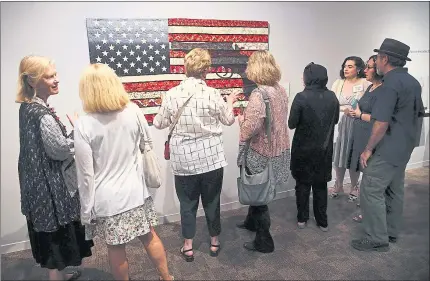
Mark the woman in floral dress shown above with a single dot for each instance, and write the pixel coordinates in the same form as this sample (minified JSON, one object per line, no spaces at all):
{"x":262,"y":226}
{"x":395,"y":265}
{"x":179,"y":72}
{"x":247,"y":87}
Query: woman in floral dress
{"x":116,"y":203}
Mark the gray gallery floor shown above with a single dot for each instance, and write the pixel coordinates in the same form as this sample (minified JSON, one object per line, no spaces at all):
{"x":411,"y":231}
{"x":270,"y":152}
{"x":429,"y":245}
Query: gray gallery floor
{"x":299,"y":254}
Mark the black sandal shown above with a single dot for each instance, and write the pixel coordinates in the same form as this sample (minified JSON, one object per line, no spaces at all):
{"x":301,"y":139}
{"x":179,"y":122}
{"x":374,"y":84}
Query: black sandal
{"x":187,"y":257}
{"x":215,"y":253}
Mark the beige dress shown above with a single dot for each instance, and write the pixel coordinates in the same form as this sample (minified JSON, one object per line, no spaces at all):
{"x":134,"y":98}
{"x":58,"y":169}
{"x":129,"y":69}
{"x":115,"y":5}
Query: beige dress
{"x":344,"y":132}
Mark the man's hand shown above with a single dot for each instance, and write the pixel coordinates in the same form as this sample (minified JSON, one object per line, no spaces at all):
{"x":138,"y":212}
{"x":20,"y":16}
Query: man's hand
{"x":364,"y":157}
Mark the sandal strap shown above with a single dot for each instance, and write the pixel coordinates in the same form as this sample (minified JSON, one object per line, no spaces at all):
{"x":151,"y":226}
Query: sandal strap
{"x":185,"y":251}
{"x":74,"y":275}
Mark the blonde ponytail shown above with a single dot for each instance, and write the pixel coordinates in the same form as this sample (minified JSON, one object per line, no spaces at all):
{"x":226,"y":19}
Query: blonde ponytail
{"x":31,"y":68}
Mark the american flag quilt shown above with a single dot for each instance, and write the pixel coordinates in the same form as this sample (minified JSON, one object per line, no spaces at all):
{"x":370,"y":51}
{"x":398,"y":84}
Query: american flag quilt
{"x":148,"y":54}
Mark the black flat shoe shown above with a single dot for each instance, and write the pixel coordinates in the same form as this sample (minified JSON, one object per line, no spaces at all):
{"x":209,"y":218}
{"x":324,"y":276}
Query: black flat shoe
{"x":250,"y":246}
{"x":215,"y":253}
{"x":188,"y":258}
{"x":243,"y":226}
{"x":392,"y":239}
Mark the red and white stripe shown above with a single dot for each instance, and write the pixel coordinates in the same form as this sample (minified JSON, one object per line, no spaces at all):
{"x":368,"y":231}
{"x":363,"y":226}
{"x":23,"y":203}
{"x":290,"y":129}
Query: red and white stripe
{"x":249,"y":36}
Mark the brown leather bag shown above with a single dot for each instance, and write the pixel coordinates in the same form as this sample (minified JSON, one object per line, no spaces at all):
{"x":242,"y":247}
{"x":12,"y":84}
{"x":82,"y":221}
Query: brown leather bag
{"x":172,"y":127}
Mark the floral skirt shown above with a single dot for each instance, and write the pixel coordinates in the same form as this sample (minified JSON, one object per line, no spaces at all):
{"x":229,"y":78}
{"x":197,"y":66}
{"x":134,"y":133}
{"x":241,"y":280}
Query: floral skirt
{"x":122,"y":228}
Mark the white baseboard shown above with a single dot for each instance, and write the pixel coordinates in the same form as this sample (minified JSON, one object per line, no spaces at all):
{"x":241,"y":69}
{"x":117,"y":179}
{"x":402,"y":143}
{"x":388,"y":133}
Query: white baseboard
{"x":419,"y":165}
{"x":224,"y":207}
{"x":15,"y":247}
{"x":25,"y":245}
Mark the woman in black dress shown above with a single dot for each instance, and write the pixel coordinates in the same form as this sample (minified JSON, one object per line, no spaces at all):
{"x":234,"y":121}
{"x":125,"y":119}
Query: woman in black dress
{"x":363,"y":114}
{"x":47,"y":174}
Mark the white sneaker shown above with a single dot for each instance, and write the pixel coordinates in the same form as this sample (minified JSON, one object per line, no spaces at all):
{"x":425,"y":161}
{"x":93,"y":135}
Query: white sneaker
{"x":301,"y":225}
{"x":325,"y":229}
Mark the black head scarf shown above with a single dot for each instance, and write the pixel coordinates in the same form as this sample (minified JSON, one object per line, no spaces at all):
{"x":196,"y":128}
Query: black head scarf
{"x":315,"y":76}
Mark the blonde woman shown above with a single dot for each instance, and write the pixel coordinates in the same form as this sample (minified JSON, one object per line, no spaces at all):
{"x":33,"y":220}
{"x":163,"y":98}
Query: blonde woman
{"x":254,"y":148}
{"x":348,"y":89}
{"x":114,"y":197}
{"x":49,"y":201}
{"x":197,"y":150}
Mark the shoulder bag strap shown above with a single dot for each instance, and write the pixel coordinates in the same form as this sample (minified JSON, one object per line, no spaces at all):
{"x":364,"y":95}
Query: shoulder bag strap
{"x":178,"y":115}
{"x":143,"y":131}
{"x":329,"y":131}
{"x":267,"y":127}
{"x":267,"y":121}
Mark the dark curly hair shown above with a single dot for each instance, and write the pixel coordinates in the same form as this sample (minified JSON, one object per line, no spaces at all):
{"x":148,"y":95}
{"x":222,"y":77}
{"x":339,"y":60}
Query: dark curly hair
{"x":359,"y":63}
{"x":376,"y":76}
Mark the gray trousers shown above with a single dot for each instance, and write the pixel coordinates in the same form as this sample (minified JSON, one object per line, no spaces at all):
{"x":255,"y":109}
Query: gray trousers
{"x":381,"y":199}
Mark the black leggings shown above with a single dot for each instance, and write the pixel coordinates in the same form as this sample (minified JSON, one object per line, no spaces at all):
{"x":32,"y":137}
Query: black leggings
{"x":258,"y":219}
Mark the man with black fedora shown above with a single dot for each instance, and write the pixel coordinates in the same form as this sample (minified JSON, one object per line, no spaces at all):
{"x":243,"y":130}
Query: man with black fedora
{"x":395,"y":123}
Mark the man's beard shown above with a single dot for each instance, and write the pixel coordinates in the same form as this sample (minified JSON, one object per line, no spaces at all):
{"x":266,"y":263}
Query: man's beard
{"x":379,"y":72}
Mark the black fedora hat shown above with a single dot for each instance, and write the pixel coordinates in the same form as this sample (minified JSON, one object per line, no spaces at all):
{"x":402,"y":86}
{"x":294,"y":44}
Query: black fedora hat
{"x":394,"y":48}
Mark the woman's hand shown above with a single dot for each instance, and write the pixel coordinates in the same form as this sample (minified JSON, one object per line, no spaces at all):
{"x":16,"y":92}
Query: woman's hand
{"x":349,"y":112}
{"x":240,"y":118}
{"x":72,"y":119}
{"x":357,"y":112}
{"x":232,"y":98}
{"x":346,"y":111}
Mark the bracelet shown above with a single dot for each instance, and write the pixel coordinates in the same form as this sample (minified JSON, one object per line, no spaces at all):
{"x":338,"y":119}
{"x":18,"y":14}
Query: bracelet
{"x":360,"y":115}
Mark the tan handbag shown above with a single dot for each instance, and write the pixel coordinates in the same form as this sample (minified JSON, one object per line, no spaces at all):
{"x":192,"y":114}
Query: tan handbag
{"x":151,"y":167}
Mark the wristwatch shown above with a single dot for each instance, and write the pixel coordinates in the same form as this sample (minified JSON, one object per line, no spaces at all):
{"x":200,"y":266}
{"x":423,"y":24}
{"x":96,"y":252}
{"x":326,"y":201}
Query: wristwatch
{"x":360,"y":115}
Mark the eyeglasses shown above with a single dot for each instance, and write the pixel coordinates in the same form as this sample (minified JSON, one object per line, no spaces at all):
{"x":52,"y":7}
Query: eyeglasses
{"x":369,"y":67}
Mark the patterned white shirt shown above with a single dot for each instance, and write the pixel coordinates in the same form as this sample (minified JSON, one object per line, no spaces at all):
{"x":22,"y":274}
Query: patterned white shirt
{"x":196,"y":146}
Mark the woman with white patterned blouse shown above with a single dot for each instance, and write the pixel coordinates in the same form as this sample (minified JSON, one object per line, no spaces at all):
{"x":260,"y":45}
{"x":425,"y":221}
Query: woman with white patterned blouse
{"x":197,"y":149}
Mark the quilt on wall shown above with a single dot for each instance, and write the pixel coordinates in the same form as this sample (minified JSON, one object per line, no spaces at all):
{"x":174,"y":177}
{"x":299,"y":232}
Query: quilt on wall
{"x":148,"y":54}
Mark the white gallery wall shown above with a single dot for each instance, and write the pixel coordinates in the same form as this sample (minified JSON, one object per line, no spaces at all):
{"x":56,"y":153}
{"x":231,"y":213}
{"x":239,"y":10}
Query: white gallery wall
{"x":300,"y":33}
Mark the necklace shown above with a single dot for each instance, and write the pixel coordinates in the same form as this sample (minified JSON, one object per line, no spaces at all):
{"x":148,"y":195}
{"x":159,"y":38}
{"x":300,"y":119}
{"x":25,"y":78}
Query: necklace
{"x":375,"y":86}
